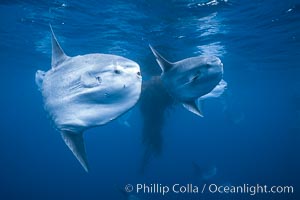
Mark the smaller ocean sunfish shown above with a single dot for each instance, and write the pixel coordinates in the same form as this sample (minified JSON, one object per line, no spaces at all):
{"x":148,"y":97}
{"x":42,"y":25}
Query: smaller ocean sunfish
{"x":192,"y":80}
{"x":86,"y":91}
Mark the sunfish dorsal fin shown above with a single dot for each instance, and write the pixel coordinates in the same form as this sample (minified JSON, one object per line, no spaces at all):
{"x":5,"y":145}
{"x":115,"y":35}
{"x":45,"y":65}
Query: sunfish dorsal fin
{"x":75,"y":143}
{"x":164,"y":64}
{"x":193,"y":107}
{"x":58,"y":55}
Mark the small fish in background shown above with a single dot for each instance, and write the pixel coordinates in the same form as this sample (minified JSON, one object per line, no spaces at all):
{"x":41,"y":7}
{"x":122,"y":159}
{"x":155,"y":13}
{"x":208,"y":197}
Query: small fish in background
{"x":85,"y":91}
{"x":204,"y":173}
{"x":210,"y":174}
{"x":192,"y":80}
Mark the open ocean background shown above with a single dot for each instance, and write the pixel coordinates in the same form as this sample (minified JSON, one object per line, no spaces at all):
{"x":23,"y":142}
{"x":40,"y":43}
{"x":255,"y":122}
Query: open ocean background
{"x":251,"y":135}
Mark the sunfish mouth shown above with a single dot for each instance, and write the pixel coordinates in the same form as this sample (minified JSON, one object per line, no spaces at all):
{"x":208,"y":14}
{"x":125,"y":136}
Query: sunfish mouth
{"x":213,"y":60}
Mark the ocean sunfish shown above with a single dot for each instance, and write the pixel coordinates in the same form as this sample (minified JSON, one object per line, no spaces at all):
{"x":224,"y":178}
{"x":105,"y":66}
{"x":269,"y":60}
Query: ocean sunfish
{"x":86,"y":91}
{"x":192,"y":80}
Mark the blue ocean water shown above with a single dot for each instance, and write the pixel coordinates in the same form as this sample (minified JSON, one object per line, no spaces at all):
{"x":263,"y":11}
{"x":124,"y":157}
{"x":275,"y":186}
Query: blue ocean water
{"x":249,"y":136}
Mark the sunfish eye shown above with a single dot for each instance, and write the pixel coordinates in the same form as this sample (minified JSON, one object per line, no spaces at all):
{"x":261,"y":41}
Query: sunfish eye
{"x":117,"y":71}
{"x":98,"y":78}
{"x":138,"y":73}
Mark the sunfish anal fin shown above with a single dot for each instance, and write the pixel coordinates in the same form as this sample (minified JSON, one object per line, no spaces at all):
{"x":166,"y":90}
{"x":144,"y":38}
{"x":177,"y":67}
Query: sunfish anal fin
{"x":164,"y":64}
{"x":75,"y":143}
{"x":58,"y":55}
{"x":193,"y":107}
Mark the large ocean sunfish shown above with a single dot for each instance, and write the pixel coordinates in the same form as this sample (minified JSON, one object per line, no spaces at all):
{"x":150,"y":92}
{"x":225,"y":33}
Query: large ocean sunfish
{"x":86,"y":91}
{"x":192,"y":80}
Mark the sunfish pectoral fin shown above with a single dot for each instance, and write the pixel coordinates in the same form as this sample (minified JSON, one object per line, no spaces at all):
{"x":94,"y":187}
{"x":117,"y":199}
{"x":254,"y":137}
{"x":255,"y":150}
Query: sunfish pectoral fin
{"x":75,"y":143}
{"x":58,"y":55}
{"x":163,"y":63}
{"x":194,"y":107}
{"x":39,"y":77}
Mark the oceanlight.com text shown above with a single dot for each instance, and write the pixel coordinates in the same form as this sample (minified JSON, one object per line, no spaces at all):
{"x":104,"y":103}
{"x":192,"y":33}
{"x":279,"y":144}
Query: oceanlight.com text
{"x":250,"y":189}
{"x":164,"y":189}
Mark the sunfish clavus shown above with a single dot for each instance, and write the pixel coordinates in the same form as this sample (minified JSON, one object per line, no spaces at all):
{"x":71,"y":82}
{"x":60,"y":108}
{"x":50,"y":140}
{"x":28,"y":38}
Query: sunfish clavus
{"x":192,"y":80}
{"x":86,"y":91}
